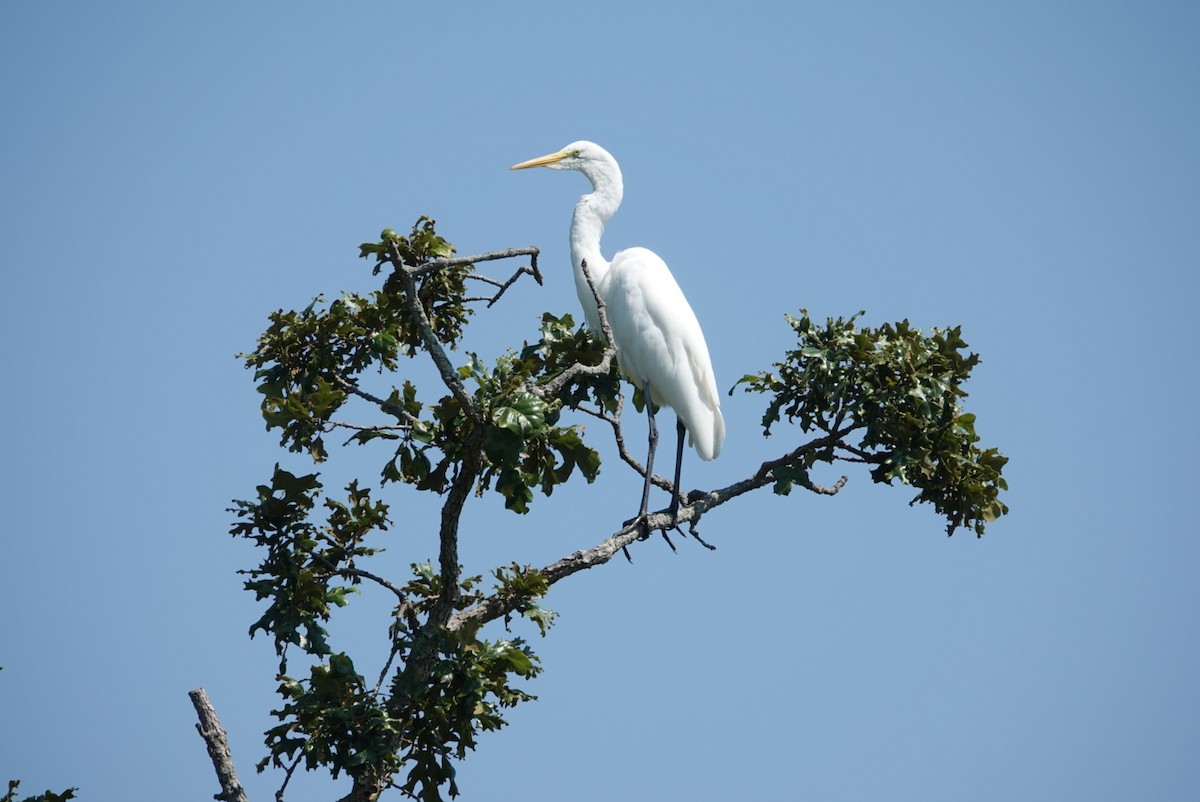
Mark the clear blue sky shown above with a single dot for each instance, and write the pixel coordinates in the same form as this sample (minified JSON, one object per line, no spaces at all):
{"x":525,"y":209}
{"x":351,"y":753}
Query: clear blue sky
{"x":171,"y":172}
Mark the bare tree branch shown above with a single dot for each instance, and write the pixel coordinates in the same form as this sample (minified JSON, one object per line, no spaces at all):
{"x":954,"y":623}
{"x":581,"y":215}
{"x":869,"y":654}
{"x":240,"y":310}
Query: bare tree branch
{"x":497,"y":605}
{"x":435,"y":265}
{"x":213,"y":733}
{"x":358,"y":572}
{"x":432,"y":345}
{"x":508,"y":253}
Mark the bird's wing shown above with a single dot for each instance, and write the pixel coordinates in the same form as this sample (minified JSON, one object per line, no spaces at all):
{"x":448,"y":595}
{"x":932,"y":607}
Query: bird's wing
{"x":659,"y":341}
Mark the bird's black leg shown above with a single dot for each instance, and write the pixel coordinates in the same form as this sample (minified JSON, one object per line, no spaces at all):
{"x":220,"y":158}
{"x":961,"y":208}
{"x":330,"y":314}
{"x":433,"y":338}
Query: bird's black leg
{"x":673,"y":509}
{"x":649,"y":458}
{"x":680,"y":432}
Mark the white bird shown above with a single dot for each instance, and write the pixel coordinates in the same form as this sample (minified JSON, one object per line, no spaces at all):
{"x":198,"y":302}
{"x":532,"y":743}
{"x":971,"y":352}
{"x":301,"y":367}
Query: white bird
{"x":660,"y":346}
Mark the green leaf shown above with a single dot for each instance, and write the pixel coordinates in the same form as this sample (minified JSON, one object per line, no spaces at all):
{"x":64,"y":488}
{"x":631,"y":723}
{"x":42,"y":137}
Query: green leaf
{"x":524,"y":415}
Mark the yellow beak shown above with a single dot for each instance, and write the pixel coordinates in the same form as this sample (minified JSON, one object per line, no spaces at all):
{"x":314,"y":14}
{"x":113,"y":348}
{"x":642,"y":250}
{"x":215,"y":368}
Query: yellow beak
{"x":542,"y":161}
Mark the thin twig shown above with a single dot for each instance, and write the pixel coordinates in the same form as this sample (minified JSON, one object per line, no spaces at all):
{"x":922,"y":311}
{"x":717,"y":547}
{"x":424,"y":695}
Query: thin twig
{"x":387,"y":666}
{"x":389,"y":407}
{"x":833,"y":439}
{"x":358,"y":572}
{"x":489,"y":280}
{"x":862,"y":454}
{"x":288,"y":777}
{"x":552,"y":387}
{"x":618,"y":435}
{"x":404,"y":609}
{"x":503,"y":285}
{"x":337,"y":424}
{"x":348,"y":440}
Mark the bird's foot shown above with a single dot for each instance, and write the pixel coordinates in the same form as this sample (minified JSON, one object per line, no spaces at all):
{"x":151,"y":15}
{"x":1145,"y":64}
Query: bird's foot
{"x":667,"y":538}
{"x":673,"y":511}
{"x":642,"y":525}
{"x":643,"y":531}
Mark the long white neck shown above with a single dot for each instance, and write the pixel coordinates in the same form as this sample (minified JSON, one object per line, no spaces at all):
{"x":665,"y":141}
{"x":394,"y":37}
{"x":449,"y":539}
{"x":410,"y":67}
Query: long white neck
{"x":587,"y":224}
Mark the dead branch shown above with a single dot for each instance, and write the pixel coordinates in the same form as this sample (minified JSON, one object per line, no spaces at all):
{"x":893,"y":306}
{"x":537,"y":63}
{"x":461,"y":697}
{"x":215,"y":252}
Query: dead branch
{"x":508,"y":253}
{"x":502,"y":286}
{"x":434,"y":265}
{"x":213,"y":733}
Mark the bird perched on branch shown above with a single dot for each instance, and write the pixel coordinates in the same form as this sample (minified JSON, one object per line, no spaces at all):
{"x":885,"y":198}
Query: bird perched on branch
{"x":660,"y":346}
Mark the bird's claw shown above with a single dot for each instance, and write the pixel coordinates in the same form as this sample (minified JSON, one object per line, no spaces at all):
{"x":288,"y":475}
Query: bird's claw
{"x":643,"y":524}
{"x":694,"y":532}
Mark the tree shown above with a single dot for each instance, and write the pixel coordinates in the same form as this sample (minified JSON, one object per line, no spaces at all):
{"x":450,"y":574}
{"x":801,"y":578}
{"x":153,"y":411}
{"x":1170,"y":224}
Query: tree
{"x":887,"y":397}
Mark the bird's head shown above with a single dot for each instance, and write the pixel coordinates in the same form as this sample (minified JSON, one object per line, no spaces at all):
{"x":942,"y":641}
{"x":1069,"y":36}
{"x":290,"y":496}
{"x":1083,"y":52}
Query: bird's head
{"x":587,"y":157}
{"x":574,"y":156}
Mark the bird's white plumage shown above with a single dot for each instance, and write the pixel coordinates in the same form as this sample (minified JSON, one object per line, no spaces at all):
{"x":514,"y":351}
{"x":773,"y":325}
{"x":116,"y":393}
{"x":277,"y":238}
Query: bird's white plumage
{"x":658,"y":340}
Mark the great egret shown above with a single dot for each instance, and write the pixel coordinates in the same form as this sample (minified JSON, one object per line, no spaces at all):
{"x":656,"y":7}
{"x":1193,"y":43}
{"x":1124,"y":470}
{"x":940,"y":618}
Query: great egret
{"x":660,"y":346}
